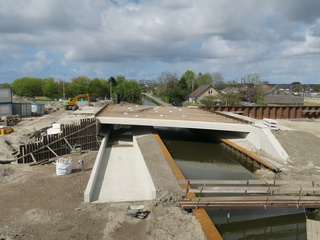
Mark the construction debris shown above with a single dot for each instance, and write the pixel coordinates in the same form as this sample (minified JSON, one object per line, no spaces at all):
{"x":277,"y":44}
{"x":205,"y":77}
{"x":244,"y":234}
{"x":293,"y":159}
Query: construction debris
{"x":10,"y":120}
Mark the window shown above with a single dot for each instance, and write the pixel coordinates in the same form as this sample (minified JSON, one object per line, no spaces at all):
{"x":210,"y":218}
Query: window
{"x":210,"y":92}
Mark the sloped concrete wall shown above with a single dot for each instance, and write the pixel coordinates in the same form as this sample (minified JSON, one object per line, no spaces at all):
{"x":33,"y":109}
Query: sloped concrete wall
{"x":143,"y":166}
{"x":263,"y":139}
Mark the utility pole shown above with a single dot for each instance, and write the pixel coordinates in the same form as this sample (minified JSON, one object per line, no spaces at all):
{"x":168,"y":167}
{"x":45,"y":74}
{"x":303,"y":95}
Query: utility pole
{"x":111,"y":90}
{"x":63,"y":90}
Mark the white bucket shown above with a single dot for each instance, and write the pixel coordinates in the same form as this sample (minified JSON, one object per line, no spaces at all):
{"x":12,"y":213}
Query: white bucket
{"x":63,"y":166}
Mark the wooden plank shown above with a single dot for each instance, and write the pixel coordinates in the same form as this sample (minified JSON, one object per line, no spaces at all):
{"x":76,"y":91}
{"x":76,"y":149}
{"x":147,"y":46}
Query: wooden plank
{"x":251,"y":206}
{"x":250,"y":182}
{"x":253,"y":189}
{"x":53,"y":151}
{"x":251,"y":198}
{"x":33,"y":158}
{"x":313,"y":229}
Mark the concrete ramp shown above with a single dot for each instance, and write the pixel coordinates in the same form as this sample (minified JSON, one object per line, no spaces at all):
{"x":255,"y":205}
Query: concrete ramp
{"x":119,"y":175}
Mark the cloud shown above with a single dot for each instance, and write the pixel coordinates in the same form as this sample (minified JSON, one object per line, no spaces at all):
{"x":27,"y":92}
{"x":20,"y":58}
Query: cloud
{"x":134,"y":35}
{"x":38,"y":63}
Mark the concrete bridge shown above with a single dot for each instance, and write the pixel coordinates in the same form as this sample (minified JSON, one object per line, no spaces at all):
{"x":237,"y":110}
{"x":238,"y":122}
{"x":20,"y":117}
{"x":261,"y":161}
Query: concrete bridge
{"x":169,"y":116}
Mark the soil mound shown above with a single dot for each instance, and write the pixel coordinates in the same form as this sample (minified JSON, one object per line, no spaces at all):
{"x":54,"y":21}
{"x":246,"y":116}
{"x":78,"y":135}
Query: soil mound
{"x":303,"y":148}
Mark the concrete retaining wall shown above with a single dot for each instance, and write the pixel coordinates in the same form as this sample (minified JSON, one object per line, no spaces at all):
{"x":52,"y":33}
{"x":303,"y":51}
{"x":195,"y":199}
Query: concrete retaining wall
{"x":263,"y":139}
{"x":94,"y":174}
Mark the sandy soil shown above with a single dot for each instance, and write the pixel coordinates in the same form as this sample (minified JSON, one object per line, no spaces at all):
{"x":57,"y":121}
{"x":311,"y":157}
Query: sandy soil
{"x":302,"y":145}
{"x":38,"y":204}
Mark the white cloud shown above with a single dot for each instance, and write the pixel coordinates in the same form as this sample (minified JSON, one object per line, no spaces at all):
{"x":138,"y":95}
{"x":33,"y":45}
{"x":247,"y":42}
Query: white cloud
{"x":37,"y":64}
{"x":172,"y":34}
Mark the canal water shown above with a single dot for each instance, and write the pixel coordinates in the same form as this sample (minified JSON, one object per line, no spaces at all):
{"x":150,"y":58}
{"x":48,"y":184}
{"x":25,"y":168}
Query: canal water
{"x":145,"y":102}
{"x":200,"y":158}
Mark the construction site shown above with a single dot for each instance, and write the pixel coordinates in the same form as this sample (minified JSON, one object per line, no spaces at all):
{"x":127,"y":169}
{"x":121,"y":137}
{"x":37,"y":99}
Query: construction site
{"x":39,"y":202}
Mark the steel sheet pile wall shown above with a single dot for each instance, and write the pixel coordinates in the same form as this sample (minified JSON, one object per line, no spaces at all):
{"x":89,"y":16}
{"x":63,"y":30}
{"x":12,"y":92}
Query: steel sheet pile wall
{"x":41,"y":149}
{"x":273,"y":112}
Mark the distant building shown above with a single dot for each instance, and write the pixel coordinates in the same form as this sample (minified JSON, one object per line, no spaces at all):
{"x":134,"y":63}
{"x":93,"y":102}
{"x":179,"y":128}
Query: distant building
{"x":202,"y":92}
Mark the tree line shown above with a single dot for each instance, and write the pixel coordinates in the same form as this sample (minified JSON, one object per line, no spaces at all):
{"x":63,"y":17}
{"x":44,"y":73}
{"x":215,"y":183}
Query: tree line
{"x":168,"y":86}
{"x":119,"y":87}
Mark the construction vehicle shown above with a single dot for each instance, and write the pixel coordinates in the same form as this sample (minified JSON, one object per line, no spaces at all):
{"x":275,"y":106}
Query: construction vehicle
{"x":71,"y":104}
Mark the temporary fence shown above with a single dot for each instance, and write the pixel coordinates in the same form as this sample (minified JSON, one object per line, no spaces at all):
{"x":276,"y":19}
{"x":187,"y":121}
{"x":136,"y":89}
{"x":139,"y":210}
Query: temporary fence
{"x":41,"y":148}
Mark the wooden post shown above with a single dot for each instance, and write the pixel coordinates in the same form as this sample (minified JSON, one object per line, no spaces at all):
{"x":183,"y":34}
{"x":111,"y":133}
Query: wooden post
{"x":52,"y":151}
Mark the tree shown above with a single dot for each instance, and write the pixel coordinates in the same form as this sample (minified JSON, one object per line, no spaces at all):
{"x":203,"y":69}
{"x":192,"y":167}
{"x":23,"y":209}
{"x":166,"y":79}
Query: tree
{"x":98,"y":88}
{"x":251,"y":88}
{"x":64,"y":89}
{"x":79,"y":85}
{"x":5,"y":85}
{"x":316,"y":88}
{"x":218,"y":80}
{"x":28,"y":87}
{"x":217,"y":77}
{"x":228,"y":99}
{"x":189,"y":77}
{"x":50,"y":88}
{"x":128,"y":91}
{"x":120,"y":78}
{"x":166,"y":80}
{"x":204,"y":79}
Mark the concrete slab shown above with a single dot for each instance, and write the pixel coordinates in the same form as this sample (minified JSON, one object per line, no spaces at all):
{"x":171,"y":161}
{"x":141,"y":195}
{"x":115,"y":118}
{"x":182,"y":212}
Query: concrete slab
{"x":169,"y":117}
{"x":177,"y":124}
{"x":120,"y":179}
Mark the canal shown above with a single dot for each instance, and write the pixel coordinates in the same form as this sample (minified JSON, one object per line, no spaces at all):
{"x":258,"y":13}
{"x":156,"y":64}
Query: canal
{"x":199,"y":157}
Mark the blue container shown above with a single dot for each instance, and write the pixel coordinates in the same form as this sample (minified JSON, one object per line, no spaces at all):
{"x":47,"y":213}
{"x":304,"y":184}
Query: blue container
{"x":22,"y":109}
{"x":37,"y":109}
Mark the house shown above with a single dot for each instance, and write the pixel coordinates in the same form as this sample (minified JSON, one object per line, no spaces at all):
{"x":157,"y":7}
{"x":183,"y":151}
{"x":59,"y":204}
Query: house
{"x":202,"y":92}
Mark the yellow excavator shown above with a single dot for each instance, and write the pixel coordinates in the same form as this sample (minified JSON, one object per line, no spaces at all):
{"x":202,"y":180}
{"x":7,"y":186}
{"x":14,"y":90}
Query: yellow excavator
{"x":71,"y":104}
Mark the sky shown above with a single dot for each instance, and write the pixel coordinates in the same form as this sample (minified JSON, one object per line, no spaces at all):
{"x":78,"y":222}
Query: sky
{"x":139,"y":39}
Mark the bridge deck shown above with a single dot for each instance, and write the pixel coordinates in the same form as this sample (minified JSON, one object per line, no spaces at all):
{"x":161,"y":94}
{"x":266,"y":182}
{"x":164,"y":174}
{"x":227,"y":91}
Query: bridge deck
{"x":170,"y":117}
{"x":170,"y":113}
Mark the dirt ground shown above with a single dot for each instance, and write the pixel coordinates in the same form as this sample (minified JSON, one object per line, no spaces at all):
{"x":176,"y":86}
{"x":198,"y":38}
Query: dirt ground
{"x":38,"y":204}
{"x":302,"y":144}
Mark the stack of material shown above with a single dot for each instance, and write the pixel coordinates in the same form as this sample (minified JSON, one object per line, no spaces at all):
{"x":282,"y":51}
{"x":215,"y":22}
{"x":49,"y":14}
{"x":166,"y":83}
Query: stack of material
{"x":271,"y":123}
{"x":55,"y":129}
{"x":5,"y":101}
